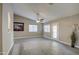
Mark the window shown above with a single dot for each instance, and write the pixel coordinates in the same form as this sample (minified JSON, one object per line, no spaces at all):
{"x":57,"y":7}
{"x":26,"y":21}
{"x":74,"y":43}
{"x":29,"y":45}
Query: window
{"x":54,"y":31}
{"x":32,"y":28}
{"x":46,"y":28}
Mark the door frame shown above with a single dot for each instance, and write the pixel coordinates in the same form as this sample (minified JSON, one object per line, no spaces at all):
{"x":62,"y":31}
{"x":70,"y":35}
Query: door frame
{"x":57,"y":31}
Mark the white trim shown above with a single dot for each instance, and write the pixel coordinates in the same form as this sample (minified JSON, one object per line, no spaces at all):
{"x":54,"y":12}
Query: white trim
{"x":63,"y":42}
{"x":47,"y":37}
{"x":57,"y":30}
{"x":58,"y":41}
{"x":67,"y":43}
{"x":19,"y":37}
{"x":10,"y":48}
{"x":27,"y":37}
{"x":77,"y":46}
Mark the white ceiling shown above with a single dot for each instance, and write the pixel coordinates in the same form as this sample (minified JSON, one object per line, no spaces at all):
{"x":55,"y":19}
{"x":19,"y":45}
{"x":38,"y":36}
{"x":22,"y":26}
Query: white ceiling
{"x":48,"y":12}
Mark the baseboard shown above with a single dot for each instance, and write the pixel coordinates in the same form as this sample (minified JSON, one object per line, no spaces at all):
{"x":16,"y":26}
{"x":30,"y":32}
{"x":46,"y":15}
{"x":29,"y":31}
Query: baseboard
{"x":68,"y":44}
{"x":10,"y":48}
{"x":47,"y":37}
{"x":77,"y":46}
{"x":27,"y":37}
{"x":63,"y":42}
{"x":58,"y":41}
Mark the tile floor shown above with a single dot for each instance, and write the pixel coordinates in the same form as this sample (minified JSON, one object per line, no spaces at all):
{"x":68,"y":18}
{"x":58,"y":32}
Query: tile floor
{"x":41,"y":46}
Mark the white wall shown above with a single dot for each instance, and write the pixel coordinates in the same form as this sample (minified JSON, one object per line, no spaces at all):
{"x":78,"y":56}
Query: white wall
{"x":7,"y":35}
{"x":65,"y":28}
{"x":0,"y":28}
{"x":26,"y":33}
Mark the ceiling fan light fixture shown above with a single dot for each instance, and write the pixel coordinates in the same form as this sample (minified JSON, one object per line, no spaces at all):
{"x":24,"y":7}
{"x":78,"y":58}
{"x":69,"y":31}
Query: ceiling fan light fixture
{"x":38,"y":21}
{"x":39,"y":18}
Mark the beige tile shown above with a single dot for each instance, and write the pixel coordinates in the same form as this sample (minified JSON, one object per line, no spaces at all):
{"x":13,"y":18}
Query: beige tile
{"x":41,"y":46}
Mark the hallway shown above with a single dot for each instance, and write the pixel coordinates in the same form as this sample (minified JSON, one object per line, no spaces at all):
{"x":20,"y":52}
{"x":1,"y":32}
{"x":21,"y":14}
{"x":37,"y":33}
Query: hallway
{"x":41,"y":46}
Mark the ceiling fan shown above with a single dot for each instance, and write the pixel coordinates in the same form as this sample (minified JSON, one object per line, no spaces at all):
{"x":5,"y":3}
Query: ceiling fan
{"x":39,"y":18}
